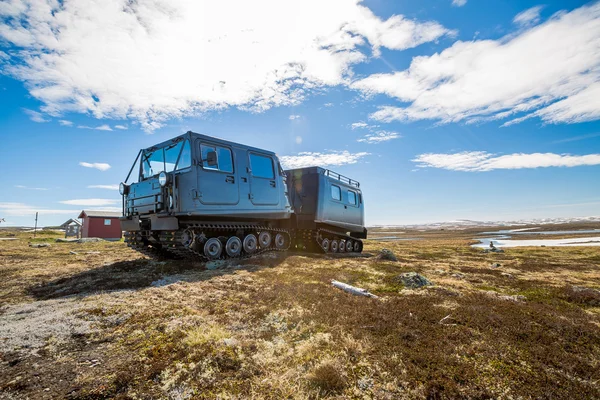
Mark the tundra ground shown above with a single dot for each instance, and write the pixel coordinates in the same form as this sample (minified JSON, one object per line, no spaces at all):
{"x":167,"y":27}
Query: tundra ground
{"x":97,"y":320}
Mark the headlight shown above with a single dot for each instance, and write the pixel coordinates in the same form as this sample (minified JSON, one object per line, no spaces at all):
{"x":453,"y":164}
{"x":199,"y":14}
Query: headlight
{"x":123,"y":189}
{"x":162,"y":178}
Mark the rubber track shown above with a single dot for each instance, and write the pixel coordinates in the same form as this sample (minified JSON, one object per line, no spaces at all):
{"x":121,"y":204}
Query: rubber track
{"x":171,"y":241}
{"x":339,"y":236}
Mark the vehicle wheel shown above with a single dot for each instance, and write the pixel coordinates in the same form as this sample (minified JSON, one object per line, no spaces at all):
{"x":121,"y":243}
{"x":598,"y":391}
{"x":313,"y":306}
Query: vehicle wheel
{"x":264,"y":238}
{"x":349,"y":246}
{"x":325,"y":245}
{"x":280,"y":241}
{"x":213,"y":248}
{"x":233,"y":247}
{"x":250,"y":243}
{"x":358,"y":246}
{"x":342,"y":247}
{"x":334,"y":246}
{"x":187,"y":237}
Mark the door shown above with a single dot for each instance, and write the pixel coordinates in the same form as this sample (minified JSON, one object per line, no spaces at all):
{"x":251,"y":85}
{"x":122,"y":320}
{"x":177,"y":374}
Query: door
{"x":353,"y":210}
{"x":263,"y":181}
{"x":217,"y":182}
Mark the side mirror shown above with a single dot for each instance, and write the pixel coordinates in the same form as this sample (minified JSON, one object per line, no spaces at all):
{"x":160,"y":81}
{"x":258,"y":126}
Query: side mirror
{"x":211,"y":158}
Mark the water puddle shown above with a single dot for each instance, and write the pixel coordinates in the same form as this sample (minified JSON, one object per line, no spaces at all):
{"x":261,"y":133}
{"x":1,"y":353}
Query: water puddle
{"x":505,"y":241}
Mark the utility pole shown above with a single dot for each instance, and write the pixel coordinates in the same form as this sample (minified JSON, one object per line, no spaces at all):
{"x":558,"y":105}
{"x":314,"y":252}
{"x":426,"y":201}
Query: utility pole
{"x":35,"y":228}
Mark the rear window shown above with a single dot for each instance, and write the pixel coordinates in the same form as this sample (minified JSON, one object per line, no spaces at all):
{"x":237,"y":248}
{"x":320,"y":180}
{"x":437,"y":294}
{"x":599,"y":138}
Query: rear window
{"x":261,"y":166}
{"x":336,"y":193}
{"x":351,"y":197}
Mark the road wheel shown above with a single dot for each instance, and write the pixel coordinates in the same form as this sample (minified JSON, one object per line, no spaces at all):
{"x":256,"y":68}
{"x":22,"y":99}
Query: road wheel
{"x":213,"y":248}
{"x":264,"y":239}
{"x":325,"y":245}
{"x":334,"y":246}
{"x":250,"y":243}
{"x":349,"y":246}
{"x":233,"y":247}
{"x":342,"y":247}
{"x":281,"y":241}
{"x":358,"y":246}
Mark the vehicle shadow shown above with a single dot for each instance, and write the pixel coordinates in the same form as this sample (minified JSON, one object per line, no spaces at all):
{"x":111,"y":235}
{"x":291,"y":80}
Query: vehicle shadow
{"x":142,"y":273}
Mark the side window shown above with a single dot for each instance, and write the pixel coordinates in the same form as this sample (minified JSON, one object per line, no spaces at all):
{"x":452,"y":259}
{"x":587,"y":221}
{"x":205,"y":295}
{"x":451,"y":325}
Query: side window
{"x":224,"y":158}
{"x":336,"y":193}
{"x":261,"y":166}
{"x":107,"y":222}
{"x":351,"y":197}
{"x":153,"y":162}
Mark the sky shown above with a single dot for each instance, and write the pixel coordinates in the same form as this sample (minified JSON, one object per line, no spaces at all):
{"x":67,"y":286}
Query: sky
{"x":442,"y":109}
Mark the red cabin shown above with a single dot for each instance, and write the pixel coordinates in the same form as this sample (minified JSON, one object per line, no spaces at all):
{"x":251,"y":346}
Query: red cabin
{"x":101,"y":224}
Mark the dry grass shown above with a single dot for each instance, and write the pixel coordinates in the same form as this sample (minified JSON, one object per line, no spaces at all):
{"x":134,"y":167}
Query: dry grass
{"x":273,"y":327}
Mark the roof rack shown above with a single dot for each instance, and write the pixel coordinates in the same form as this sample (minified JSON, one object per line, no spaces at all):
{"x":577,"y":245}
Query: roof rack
{"x":341,"y":178}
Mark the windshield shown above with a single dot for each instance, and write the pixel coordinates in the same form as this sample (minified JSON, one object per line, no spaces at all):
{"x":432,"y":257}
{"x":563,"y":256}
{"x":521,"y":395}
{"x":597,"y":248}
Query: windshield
{"x":153,"y":162}
{"x":171,"y":158}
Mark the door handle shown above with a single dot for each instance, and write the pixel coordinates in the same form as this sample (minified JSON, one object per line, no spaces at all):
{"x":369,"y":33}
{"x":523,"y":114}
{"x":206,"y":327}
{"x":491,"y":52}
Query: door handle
{"x":230,"y":179}
{"x":272,"y":183}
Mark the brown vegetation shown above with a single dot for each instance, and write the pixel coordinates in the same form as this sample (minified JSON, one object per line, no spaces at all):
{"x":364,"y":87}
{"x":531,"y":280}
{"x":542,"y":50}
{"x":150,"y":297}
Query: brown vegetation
{"x":273,"y":327}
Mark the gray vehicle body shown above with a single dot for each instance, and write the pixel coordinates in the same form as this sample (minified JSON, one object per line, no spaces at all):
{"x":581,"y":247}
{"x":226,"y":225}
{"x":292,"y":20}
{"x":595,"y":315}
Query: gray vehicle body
{"x":196,"y":191}
{"x":323,"y":198}
{"x":247,"y":185}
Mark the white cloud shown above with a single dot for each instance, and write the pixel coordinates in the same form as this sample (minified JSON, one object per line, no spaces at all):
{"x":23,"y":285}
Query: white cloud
{"x":379,"y":136}
{"x":310,"y":159}
{"x":25,"y":210}
{"x":459,"y":3}
{"x":531,"y":16}
{"x":35,"y":116}
{"x":550,"y":71}
{"x":328,"y":104}
{"x":29,"y":188}
{"x":99,"y":166}
{"x":109,"y":187}
{"x":123,"y":127}
{"x":359,"y":125}
{"x":293,"y":117}
{"x":90,"y":202}
{"x":64,"y":122}
{"x":93,"y":57}
{"x":474,"y":161}
{"x":104,"y":127}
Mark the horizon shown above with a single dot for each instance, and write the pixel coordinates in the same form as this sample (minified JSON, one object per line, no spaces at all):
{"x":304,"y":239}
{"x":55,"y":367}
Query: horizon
{"x":443,"y":110}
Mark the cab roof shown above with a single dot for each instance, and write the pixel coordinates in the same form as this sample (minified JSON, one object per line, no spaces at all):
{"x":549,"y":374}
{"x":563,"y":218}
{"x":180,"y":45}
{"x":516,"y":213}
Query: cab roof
{"x":216,"y":140}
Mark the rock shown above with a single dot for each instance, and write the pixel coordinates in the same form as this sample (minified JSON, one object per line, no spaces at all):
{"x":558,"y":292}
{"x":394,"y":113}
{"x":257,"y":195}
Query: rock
{"x":496,"y":265}
{"x":92,"y":252}
{"x":38,"y":245}
{"x":90,"y":240}
{"x":493,"y":250}
{"x":230,"y":342}
{"x":386,"y":254}
{"x":458,"y":275}
{"x":507,"y":275}
{"x":73,"y":252}
{"x":506,"y":297}
{"x":413,"y":280}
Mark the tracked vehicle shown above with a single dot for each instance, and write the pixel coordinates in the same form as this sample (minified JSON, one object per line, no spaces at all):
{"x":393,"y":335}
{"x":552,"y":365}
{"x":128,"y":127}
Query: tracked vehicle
{"x":205,"y":198}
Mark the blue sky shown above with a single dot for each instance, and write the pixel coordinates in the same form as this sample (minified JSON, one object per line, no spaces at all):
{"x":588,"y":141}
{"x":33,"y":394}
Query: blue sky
{"x":442,"y":110}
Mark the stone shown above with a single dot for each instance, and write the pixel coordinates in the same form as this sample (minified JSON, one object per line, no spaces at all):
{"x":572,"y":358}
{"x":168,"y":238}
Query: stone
{"x":387,"y":255}
{"x":458,"y":275}
{"x":413,"y":280}
{"x":507,"y":275}
{"x":38,"y":245}
{"x":73,"y":252}
{"x":90,"y":240}
{"x":496,"y":265}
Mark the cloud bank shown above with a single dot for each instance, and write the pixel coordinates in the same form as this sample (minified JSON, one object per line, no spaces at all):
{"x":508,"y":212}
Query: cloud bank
{"x":98,"y":166}
{"x":479,"y":161}
{"x":152,"y":60}
{"x":311,"y":159}
{"x":550,"y":71}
